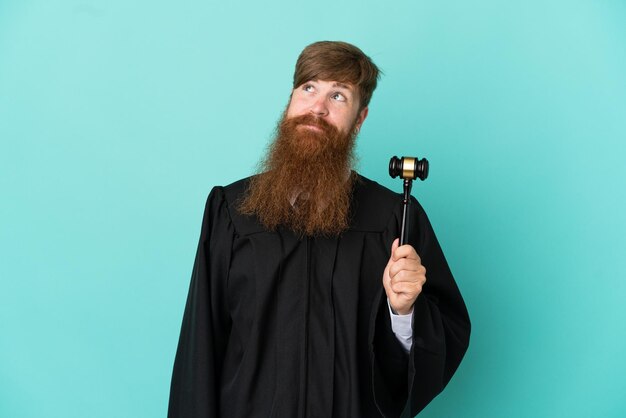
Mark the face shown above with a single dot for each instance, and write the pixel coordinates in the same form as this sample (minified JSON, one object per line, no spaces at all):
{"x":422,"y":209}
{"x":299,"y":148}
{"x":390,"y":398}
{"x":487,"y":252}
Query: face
{"x":336,"y":103}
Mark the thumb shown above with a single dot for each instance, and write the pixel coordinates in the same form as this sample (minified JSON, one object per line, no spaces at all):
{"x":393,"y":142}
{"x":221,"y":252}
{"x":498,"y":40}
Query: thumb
{"x":394,"y":246}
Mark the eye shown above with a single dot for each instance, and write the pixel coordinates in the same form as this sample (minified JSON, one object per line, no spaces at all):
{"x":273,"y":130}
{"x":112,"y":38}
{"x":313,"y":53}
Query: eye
{"x":339,"y":97}
{"x":308,"y":88}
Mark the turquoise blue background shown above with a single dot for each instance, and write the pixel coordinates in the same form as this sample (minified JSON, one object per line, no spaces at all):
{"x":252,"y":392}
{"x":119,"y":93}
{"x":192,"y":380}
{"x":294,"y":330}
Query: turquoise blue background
{"x":118,"y":116}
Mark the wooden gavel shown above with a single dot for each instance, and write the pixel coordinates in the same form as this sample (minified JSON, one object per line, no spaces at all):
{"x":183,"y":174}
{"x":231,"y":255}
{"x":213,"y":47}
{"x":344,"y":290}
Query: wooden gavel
{"x":408,"y":168}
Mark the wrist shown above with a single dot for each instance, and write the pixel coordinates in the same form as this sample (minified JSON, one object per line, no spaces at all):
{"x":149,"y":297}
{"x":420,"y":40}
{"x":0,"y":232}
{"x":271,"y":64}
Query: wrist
{"x":405,"y":311}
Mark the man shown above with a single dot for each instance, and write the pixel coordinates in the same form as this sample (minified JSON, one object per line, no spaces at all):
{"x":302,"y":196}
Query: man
{"x":301,"y":303}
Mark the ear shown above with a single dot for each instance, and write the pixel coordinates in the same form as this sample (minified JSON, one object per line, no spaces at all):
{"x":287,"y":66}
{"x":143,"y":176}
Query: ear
{"x":361,"y":118}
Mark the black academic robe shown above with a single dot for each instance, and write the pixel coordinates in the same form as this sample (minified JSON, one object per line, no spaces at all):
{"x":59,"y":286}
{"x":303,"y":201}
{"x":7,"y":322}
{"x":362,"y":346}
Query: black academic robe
{"x":278,"y":325}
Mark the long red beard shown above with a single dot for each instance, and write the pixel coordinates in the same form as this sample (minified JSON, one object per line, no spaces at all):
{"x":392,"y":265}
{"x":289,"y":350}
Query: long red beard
{"x":306,"y":181}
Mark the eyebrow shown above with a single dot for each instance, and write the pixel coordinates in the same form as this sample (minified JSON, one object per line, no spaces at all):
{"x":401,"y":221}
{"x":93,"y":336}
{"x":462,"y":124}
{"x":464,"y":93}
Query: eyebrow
{"x":343,"y":86}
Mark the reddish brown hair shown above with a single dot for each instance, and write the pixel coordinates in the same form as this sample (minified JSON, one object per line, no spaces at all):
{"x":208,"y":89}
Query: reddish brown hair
{"x":337,"y":61}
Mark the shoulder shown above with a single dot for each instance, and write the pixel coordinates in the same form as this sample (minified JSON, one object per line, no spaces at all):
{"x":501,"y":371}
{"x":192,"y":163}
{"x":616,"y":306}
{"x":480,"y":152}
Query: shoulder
{"x":371,"y":191}
{"x":234,"y":191}
{"x":373,"y":205}
{"x":230,"y":196}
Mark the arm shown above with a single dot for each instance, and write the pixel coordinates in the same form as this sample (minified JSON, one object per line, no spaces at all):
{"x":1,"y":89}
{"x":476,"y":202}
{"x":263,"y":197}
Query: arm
{"x":441,"y":325}
{"x":206,"y":324}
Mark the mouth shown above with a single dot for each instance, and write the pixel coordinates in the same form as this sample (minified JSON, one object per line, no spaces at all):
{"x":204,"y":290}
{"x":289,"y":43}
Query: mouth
{"x":316,"y":128}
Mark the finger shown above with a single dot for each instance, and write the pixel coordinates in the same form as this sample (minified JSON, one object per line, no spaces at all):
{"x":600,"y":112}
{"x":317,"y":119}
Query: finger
{"x":403,"y":264}
{"x":409,"y":277}
{"x":394,"y":247}
{"x":405,"y":251}
{"x":406,"y":268}
{"x":406,"y":289}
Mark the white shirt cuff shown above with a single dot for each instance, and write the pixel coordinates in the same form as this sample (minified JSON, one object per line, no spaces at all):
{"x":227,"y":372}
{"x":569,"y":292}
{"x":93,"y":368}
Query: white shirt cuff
{"x":402,"y":327}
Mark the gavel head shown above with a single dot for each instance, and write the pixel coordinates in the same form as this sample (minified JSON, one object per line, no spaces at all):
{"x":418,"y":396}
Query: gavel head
{"x":408,"y":168}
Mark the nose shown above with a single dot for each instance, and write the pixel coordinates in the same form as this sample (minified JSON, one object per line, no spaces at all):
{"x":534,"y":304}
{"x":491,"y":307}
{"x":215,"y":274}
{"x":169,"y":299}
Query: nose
{"x":318,"y":107}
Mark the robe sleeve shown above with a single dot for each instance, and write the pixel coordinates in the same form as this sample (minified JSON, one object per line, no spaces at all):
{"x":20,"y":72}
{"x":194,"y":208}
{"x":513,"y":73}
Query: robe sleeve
{"x":195,"y":386}
{"x":441,"y":330}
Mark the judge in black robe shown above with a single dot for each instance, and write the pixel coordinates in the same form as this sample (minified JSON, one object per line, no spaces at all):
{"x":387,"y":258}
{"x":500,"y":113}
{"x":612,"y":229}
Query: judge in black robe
{"x":279,"y":325}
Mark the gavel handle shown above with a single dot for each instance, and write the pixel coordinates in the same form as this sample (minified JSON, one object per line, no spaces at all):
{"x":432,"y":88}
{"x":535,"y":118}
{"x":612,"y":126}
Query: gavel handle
{"x":406,"y":201}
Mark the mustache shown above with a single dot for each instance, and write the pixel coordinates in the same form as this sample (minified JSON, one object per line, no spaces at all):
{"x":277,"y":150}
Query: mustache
{"x":309,"y":119}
